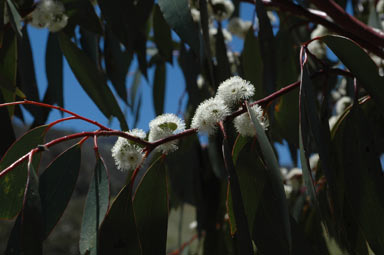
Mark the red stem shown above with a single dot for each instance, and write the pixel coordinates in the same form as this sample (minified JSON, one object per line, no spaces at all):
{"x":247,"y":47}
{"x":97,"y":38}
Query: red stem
{"x":57,"y":108}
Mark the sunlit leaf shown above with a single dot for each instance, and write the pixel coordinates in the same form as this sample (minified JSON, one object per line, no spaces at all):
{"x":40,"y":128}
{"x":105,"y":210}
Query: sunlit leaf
{"x":15,"y":17}
{"x":95,"y":208}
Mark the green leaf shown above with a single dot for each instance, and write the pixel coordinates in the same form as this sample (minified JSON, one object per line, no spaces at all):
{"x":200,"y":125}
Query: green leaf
{"x":8,"y":64}
{"x":15,"y":18}
{"x":159,"y":81}
{"x":91,"y":79}
{"x":7,"y":136}
{"x":364,"y":70}
{"x":57,"y":184}
{"x":117,"y":63}
{"x":26,"y":73}
{"x":267,"y":48}
{"x":12,"y":185}
{"x":82,"y":12}
{"x":313,"y":131}
{"x":252,"y":64}
{"x":273,"y":171}
{"x":89,"y":42}
{"x":252,"y":176}
{"x":162,"y":35}
{"x":118,"y":233}
{"x":363,"y":176}
{"x":179,"y":18}
{"x":223,"y":68}
{"x":95,"y":209}
{"x":27,"y":234}
{"x":134,"y":87}
{"x":150,"y":205}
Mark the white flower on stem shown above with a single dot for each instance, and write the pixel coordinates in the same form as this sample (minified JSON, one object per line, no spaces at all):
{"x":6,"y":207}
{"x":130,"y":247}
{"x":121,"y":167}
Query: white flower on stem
{"x":127,"y":154}
{"x":195,"y":14}
{"x":244,"y":125}
{"x":50,"y":14}
{"x":234,"y":90}
{"x":163,"y":126}
{"x":208,"y":114}
{"x":137,"y":133}
{"x":222,"y":9}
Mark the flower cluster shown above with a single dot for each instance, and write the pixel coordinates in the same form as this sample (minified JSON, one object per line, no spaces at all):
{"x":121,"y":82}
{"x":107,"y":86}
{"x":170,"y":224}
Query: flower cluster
{"x":126,"y":153}
{"x":229,"y":94}
{"x":49,"y":14}
{"x":163,"y":126}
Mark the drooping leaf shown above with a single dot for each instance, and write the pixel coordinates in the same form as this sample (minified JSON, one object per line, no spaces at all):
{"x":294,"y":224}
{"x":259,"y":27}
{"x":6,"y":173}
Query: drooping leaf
{"x":267,"y":49}
{"x":7,"y":136}
{"x":179,"y":18}
{"x":91,"y":79}
{"x":30,"y":220}
{"x":273,"y":172}
{"x":95,"y":209}
{"x":150,"y":205}
{"x":162,"y":35}
{"x":89,"y":42}
{"x":364,"y":70}
{"x":252,"y":64}
{"x":159,"y":82}
{"x":363,"y":177}
{"x":118,"y":234}
{"x":134,"y":88}
{"x":26,"y":73}
{"x":117,"y":63}
{"x":12,"y":185}
{"x":15,"y":17}
{"x":223,"y":68}
{"x":54,"y":73}
{"x":57,"y":184}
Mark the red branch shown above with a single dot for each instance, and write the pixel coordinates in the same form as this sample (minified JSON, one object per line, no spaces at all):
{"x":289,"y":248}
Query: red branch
{"x":57,"y":108}
{"x":183,"y":246}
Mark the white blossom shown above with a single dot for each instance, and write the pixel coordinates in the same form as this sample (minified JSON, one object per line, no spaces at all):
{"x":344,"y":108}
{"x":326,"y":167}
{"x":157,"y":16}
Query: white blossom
{"x":49,"y":14}
{"x":208,"y":114}
{"x":314,"y":161}
{"x":163,"y":126}
{"x":127,"y":155}
{"x":380,"y":6}
{"x":195,"y":14}
{"x":138,"y":133}
{"x":222,"y":9}
{"x":235,"y":89}
{"x":244,"y":125}
{"x":317,"y":47}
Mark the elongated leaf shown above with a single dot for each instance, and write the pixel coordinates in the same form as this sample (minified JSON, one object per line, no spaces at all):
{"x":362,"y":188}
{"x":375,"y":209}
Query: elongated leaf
{"x":150,"y":205}
{"x":26,"y":73}
{"x":134,"y":88}
{"x":223,"y":68}
{"x":8,"y":62}
{"x":15,"y":17}
{"x":363,"y":177}
{"x":118,"y":234}
{"x":267,"y":49}
{"x":27,"y":234}
{"x":252,"y":64}
{"x":364,"y":70}
{"x":91,"y":79}
{"x":7,"y":136}
{"x":12,"y":185}
{"x":117,"y":63}
{"x":162,"y":35}
{"x":275,"y":176}
{"x":179,"y":18}
{"x":95,"y":209}
{"x":57,"y":184}
{"x":159,"y":88}
{"x":243,"y":237}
